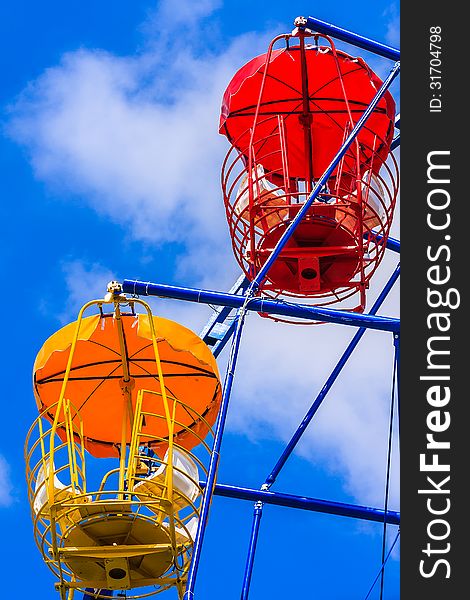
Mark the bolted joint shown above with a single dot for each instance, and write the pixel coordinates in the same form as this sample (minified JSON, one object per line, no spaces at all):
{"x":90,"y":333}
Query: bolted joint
{"x":114,"y":292}
{"x":114,"y":287}
{"x":305,"y":120}
{"x":127,"y":386}
{"x":300,"y":21}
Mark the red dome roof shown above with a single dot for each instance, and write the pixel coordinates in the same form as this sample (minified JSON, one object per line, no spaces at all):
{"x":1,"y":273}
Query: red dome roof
{"x":282,"y":95}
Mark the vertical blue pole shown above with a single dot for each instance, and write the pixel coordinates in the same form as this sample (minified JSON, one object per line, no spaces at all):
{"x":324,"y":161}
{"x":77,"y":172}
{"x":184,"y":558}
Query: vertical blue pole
{"x":250,"y":559}
{"x":214,"y":461}
{"x":389,"y":465}
{"x":331,"y":379}
{"x":396,"y":341}
{"x":258,"y":280}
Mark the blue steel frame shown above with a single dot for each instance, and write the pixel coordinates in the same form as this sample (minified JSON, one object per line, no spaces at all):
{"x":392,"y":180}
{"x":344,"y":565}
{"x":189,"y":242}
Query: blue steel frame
{"x":261,"y":305}
{"x":223,"y":324}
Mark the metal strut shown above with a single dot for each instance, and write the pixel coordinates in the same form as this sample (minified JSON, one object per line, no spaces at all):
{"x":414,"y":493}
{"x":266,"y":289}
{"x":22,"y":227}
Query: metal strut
{"x":212,"y":471}
{"x":221,"y":325}
{"x":264,"y":305}
{"x":340,"y":509}
{"x":348,"y":36}
{"x":388,"y":470}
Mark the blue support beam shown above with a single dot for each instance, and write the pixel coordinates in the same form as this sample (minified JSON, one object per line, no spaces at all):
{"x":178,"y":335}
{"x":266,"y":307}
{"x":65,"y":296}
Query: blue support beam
{"x":349,"y":37}
{"x":215,"y":454}
{"x":396,"y":341}
{"x":228,"y":332}
{"x":306,"y":503}
{"x":261,"y":305}
{"x":221,"y":324}
{"x":258,"y":510}
{"x":391,"y":244}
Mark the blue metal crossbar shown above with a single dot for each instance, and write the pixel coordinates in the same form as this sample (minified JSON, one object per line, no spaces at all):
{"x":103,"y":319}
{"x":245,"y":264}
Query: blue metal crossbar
{"x":306,"y":503}
{"x":349,"y":37}
{"x":262,"y":305}
{"x":221,"y":325}
{"x":391,"y":243}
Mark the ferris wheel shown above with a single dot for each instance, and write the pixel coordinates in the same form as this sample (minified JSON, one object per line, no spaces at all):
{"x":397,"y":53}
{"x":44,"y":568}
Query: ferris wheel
{"x":310,"y":185}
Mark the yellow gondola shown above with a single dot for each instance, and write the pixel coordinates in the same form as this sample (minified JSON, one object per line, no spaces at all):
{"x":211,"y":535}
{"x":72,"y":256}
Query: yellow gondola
{"x":132,"y":397}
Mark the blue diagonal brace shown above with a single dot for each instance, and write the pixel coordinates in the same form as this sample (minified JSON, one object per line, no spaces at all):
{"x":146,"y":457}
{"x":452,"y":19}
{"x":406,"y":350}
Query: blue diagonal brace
{"x":221,"y":324}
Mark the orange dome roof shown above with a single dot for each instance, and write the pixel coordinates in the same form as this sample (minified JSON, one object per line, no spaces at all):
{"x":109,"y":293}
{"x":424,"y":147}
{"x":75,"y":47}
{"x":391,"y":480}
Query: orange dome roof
{"x":189,"y":368}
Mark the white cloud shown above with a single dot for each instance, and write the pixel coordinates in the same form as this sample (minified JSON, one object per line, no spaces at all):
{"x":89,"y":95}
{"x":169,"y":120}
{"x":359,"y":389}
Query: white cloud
{"x":88,"y":123}
{"x":5,"y":483}
{"x":187,"y":13}
{"x":83,"y":283}
{"x":137,"y":136}
{"x":393,"y":25}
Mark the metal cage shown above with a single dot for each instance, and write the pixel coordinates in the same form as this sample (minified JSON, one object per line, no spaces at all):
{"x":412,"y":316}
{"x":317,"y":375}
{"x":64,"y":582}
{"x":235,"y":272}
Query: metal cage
{"x":274,"y":163}
{"x":126,"y":522}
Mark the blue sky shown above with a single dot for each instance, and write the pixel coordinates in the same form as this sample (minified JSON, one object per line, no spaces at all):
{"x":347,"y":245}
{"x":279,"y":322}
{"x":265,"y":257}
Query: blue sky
{"x":110,"y":169}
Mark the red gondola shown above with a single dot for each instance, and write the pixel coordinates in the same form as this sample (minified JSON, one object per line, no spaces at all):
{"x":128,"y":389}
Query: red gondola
{"x":286,"y":114}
